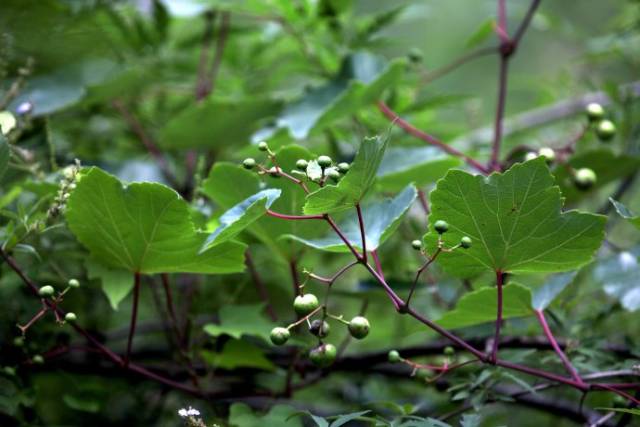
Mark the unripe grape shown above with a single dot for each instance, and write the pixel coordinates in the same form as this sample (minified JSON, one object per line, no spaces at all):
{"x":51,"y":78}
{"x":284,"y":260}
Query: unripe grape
{"x":305,"y":304}
{"x":73,"y":283}
{"x":548,"y":154}
{"x":249,"y":163}
{"x":70,"y":317}
{"x":279,"y":335}
{"x":449,"y":351}
{"x":594,"y":112}
{"x":333,"y":174}
{"x":302,"y":164}
{"x":324,"y":161}
{"x":324,"y":355}
{"x":394,"y":356}
{"x":441,"y":226}
{"x":359,"y":327}
{"x":320,"y":328}
{"x":530,"y":156}
{"x":263,"y":146}
{"x":466,"y":242}
{"x":584,"y":178}
{"x":343,"y":167}
{"x":46,"y":291}
{"x":37,"y":359}
{"x":416,"y":244}
{"x":605,"y":130}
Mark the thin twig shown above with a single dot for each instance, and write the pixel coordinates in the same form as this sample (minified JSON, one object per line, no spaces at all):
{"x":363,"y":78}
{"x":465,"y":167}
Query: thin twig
{"x":134,"y":317}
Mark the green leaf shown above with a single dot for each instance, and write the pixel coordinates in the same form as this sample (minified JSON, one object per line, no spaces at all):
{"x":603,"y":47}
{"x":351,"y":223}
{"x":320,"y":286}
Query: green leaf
{"x":239,"y":217}
{"x":484,"y":30}
{"x":635,"y":412}
{"x":419,"y":165}
{"x":471,"y":420}
{"x":81,"y":403}
{"x":360,"y":83}
{"x":320,"y":422}
{"x":116,"y":283}
{"x":241,"y":415}
{"x":618,"y":275}
{"x":544,"y":295}
{"x":7,"y":122}
{"x":481,"y":306}
{"x":515,"y":220}
{"x":381,"y":219}
{"x":354,"y":185}
{"x":5,"y":154}
{"x":215,"y":123}
{"x":228,"y":184}
{"x":240,"y":320}
{"x":143,"y":227}
{"x":625,"y":213}
{"x":239,"y":354}
{"x":343,"y":419}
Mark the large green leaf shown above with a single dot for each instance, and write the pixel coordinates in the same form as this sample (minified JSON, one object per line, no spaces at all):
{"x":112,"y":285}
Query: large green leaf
{"x":625,"y":213}
{"x":239,"y":217}
{"x":240,"y":320}
{"x":515,"y":220}
{"x":362,"y":80}
{"x":215,"y":123}
{"x":481,"y":306}
{"x":352,"y":188}
{"x":618,"y":275}
{"x":380,"y":219}
{"x":419,"y":165}
{"x":143,"y":227}
{"x":116,"y":283}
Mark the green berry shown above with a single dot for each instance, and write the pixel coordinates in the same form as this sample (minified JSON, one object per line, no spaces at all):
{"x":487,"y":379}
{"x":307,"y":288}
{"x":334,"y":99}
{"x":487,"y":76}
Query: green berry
{"x":249,"y":163}
{"x":263,"y":146}
{"x":305,"y":304}
{"x":324,"y":355}
{"x":594,"y":112}
{"x":422,"y":374}
{"x":605,"y":130}
{"x":324,"y":161}
{"x":530,"y":156}
{"x":359,"y":327}
{"x":279,"y":335}
{"x":46,"y":291}
{"x":333,"y":174}
{"x":416,"y":244}
{"x":441,"y":226}
{"x":466,"y":242}
{"x":548,"y":154}
{"x":9,"y":370}
{"x":18,"y":341}
{"x":343,"y":167}
{"x":70,"y":317}
{"x":73,"y":283}
{"x":274,"y":172}
{"x":37,"y":359}
{"x":302,"y":164}
{"x":320,"y":328}
{"x":394,"y":356}
{"x":449,"y":351}
{"x":415,"y":55}
{"x":584,"y":178}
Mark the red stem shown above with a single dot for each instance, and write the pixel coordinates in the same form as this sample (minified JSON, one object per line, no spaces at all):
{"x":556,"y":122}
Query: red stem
{"x":293,"y":217}
{"x":496,"y":338}
{"x":340,"y":234}
{"x":362,"y":233}
{"x":134,"y":318}
{"x":376,"y":260}
{"x":494,"y":163}
{"x":411,"y":130}
{"x":563,"y":357}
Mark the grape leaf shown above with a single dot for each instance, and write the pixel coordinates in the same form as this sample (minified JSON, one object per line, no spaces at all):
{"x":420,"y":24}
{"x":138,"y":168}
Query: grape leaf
{"x":618,"y":275}
{"x":480,"y":306}
{"x":116,"y":283}
{"x":361,"y":81}
{"x":215,"y":123}
{"x":625,"y":213}
{"x":239,"y":320}
{"x":516,"y":222}
{"x":380,"y":219}
{"x":401,"y":166}
{"x":239,"y":217}
{"x":354,"y":185}
{"x":143,"y":227}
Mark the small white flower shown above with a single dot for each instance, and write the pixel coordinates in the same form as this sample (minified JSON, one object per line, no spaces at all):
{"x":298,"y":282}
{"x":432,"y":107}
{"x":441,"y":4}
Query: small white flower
{"x":183,"y":413}
{"x":193,"y":412}
{"x":627,"y":260}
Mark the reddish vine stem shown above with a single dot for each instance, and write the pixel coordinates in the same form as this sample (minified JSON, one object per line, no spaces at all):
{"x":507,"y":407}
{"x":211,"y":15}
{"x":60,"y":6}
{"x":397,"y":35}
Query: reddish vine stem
{"x":134,"y":317}
{"x":362,"y":233}
{"x":552,"y":340}
{"x":376,"y":260}
{"x":170,"y":306}
{"x":420,"y":271}
{"x":411,"y":130}
{"x":293,"y":217}
{"x":340,"y":234}
{"x":496,"y":338}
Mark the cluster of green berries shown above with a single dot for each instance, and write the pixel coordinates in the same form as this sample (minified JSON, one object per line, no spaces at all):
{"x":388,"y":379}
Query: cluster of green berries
{"x":324,"y":354}
{"x":605,"y":129}
{"x":442,"y":227}
{"x":48,"y":291}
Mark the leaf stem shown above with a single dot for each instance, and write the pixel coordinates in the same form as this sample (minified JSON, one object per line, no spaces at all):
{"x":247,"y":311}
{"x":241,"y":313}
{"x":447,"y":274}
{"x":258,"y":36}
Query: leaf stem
{"x":134,"y":317}
{"x":293,"y":217}
{"x":496,"y":338}
{"x":362,"y":233}
{"x":552,"y":340}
